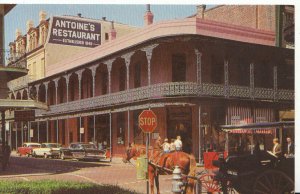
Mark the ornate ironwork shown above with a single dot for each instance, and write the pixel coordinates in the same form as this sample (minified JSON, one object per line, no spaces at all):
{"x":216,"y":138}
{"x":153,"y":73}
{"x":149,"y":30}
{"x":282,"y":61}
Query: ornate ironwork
{"x":275,"y":83}
{"x":263,"y":93}
{"x":286,"y":95}
{"x":226,"y":81}
{"x":127,"y":58}
{"x":239,"y":91}
{"x":252,"y":80}
{"x":158,"y":91}
{"x":212,"y":89}
{"x":148,"y":50}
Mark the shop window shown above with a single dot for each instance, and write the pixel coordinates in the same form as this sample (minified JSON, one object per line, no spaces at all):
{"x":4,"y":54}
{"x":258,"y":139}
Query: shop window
{"x":137,"y":132}
{"x":121,"y":129}
{"x":178,"y":68}
{"x":137,"y":75}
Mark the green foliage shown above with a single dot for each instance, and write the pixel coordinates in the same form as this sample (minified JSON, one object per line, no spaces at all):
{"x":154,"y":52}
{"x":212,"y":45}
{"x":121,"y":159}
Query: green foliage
{"x":58,"y":187}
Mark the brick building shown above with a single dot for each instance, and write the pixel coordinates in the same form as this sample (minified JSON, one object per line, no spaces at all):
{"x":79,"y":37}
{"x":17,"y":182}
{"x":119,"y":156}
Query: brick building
{"x":194,"y":73}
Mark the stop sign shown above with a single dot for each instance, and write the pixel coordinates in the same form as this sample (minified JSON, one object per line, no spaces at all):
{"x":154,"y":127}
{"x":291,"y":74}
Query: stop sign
{"x":147,"y":121}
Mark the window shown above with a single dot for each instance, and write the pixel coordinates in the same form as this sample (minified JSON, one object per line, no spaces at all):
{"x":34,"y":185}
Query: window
{"x":217,"y":71}
{"x":122,"y":78}
{"x":106,"y":36}
{"x":104,"y":81}
{"x":137,"y":75}
{"x":178,"y":68}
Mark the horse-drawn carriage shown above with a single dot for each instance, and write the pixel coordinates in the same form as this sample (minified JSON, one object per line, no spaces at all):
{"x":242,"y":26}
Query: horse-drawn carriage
{"x":256,"y":172}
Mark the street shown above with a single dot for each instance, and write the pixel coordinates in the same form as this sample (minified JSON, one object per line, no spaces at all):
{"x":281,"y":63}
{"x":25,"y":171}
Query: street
{"x":115,"y":173}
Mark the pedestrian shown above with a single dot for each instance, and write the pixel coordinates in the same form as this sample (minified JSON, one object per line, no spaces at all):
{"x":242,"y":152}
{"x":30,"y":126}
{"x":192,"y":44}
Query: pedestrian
{"x":290,"y":149}
{"x":157,"y":144}
{"x":172,"y":145}
{"x":166,"y":146}
{"x":178,"y":143}
{"x":276,"y":148}
{"x":6,"y":156}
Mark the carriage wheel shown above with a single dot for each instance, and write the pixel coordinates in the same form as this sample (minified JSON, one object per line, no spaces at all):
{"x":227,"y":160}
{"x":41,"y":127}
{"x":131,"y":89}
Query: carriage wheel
{"x":273,"y":181}
{"x":210,"y":184}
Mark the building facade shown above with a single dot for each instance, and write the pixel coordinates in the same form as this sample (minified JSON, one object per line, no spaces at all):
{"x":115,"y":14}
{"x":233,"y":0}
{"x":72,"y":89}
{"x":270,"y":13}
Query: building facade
{"x":195,"y":74}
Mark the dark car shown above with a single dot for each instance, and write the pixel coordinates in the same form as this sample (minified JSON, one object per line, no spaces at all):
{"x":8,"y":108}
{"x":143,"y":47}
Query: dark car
{"x":82,"y":151}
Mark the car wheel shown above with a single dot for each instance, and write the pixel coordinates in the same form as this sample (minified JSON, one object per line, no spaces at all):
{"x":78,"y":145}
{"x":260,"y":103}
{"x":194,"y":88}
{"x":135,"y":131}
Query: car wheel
{"x":45,"y":156}
{"x":34,"y":155}
{"x":62,"y":156}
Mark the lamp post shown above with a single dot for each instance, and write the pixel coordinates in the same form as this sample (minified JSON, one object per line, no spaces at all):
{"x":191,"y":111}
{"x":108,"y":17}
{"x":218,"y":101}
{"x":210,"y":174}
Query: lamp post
{"x":25,"y":129}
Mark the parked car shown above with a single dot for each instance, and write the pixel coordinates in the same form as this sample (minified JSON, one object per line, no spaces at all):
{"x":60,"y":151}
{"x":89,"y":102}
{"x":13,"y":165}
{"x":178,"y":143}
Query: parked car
{"x":26,"y":149}
{"x":82,"y":151}
{"x":47,"y":150}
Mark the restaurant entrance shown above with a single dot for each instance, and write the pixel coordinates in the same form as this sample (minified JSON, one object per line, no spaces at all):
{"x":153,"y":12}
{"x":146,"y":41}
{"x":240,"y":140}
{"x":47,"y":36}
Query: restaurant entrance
{"x":179,"y":122}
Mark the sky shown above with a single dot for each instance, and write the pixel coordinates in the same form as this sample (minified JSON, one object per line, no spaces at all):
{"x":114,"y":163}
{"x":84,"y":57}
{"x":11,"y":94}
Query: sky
{"x":127,"y":14}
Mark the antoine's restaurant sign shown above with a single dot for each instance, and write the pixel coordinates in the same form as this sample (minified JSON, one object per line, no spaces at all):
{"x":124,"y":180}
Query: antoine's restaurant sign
{"x":75,"y":32}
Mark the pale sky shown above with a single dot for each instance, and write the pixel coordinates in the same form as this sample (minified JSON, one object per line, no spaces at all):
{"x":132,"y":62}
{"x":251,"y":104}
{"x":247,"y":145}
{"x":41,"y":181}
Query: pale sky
{"x":127,"y":14}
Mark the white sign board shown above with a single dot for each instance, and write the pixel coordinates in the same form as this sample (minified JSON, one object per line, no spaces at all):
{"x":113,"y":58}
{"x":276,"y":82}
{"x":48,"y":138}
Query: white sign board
{"x":81,"y":130}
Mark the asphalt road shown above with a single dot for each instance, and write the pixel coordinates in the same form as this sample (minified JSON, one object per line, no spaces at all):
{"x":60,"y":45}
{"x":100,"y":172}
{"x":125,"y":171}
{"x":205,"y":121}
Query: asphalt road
{"x":115,"y":173}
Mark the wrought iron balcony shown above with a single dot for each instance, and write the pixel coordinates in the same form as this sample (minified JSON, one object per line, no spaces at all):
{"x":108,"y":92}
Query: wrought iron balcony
{"x":19,"y":83}
{"x":162,"y":90}
{"x":16,"y":59}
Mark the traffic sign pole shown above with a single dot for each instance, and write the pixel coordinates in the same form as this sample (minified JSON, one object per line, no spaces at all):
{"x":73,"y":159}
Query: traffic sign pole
{"x":147,"y":150}
{"x":148,"y":123}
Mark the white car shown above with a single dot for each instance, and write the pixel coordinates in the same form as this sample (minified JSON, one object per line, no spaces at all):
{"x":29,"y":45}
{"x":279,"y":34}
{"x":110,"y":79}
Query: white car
{"x":47,"y":150}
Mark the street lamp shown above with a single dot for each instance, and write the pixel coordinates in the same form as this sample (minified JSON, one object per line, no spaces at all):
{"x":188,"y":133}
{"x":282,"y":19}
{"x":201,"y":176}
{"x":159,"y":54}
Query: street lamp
{"x":25,"y":129}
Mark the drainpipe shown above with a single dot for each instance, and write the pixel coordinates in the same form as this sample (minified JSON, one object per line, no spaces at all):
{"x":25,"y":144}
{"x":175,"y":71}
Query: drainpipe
{"x":278,"y":29}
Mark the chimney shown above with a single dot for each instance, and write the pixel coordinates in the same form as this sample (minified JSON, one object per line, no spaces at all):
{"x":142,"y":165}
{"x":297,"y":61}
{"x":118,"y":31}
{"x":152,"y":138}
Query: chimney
{"x":79,"y":15}
{"x":29,"y":24}
{"x":42,"y":15}
{"x":200,"y":11}
{"x":148,"y":17}
{"x":18,"y":33}
{"x":104,"y":18}
{"x":113,"y":33}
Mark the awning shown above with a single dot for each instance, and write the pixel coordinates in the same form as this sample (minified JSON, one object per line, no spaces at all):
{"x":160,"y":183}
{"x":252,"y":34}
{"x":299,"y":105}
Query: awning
{"x":257,"y":128}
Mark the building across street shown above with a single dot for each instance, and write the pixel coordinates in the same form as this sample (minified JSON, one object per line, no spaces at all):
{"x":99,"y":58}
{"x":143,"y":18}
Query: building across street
{"x":227,"y":65}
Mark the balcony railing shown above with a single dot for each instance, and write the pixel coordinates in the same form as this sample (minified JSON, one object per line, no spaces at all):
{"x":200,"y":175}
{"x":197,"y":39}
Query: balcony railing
{"x":162,"y":90}
{"x":19,"y":83}
{"x":16,"y":59}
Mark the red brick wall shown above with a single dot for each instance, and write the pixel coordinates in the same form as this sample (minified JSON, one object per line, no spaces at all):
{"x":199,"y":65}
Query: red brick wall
{"x":254,"y":16}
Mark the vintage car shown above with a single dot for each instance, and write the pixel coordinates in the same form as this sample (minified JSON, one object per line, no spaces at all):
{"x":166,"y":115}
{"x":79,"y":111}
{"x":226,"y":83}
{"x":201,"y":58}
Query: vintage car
{"x":82,"y":151}
{"x":26,"y":149}
{"x":47,"y":150}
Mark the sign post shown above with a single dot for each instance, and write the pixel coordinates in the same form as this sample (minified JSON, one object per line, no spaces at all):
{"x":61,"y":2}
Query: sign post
{"x":148,"y":123}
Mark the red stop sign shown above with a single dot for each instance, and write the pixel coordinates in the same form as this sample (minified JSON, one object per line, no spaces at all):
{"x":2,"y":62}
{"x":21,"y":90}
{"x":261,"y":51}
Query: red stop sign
{"x":147,"y":121}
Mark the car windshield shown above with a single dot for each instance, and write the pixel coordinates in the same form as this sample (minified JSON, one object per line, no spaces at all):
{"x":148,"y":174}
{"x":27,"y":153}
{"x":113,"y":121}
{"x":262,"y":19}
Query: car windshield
{"x":54,"y":145}
{"x":88,"y":146}
{"x":34,"y":146}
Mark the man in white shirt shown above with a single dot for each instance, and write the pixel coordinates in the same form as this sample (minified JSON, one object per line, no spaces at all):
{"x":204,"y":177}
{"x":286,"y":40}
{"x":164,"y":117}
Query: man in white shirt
{"x":178,"y":143}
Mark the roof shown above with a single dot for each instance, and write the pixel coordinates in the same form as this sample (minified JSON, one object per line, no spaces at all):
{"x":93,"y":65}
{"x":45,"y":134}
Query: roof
{"x":189,"y":26}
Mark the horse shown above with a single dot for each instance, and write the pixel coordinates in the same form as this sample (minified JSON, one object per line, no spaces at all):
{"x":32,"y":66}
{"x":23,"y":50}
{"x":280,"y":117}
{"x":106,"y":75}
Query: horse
{"x":164,"y":164}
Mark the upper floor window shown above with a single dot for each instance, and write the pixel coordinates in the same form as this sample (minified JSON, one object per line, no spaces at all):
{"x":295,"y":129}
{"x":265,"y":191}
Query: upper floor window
{"x":217,"y":70}
{"x":122,"y":78}
{"x":137,"y":75}
{"x":178,"y":68}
